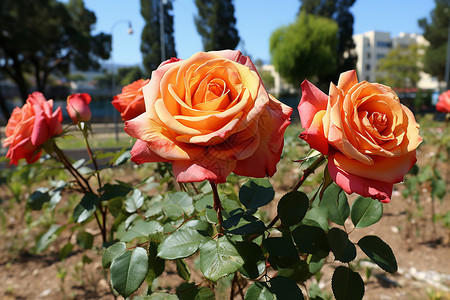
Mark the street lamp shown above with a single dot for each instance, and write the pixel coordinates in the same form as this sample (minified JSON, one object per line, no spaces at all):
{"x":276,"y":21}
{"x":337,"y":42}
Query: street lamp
{"x":113,"y":70}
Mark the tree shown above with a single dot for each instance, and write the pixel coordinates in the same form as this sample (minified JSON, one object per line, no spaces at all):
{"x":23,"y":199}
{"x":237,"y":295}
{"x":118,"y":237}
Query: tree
{"x":339,"y":11}
{"x":436,"y":33}
{"x":216,"y":24}
{"x":151,"y":34}
{"x":44,"y":37}
{"x":401,"y":67}
{"x":305,"y":48}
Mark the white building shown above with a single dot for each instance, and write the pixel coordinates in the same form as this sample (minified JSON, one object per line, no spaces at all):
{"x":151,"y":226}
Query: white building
{"x":372,"y":46}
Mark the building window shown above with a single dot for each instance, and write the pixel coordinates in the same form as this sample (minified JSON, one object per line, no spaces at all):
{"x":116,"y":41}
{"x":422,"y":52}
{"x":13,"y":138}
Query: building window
{"x":368,"y":55}
{"x":367,"y":67}
{"x":384,"y":44}
{"x":380,"y":56}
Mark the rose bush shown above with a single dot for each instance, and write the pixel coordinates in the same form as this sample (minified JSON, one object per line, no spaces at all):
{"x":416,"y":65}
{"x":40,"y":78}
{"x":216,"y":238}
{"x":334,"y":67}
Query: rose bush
{"x":78,"y":107}
{"x":369,"y":136}
{"x":130,"y":103}
{"x":210,"y":115}
{"x":443,"y":104}
{"x":30,"y":126}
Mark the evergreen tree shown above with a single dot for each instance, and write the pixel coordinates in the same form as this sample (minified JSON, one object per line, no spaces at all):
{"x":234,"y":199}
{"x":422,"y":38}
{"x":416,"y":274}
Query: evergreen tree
{"x":339,"y":11}
{"x":151,"y":38}
{"x":436,"y":33}
{"x":216,"y":24}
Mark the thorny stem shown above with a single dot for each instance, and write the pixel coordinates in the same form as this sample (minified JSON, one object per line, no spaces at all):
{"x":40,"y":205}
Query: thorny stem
{"x":217,"y":205}
{"x":308,"y":171}
{"x":103,"y":209}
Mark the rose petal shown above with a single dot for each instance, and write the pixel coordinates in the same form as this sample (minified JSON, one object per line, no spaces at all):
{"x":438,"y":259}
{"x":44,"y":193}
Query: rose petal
{"x":365,"y":187}
{"x":205,"y":168}
{"x":313,"y":100}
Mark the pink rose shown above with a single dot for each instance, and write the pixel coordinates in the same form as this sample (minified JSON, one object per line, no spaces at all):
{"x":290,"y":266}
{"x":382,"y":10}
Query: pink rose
{"x":443,"y":104}
{"x":30,"y":126}
{"x":78,"y":107}
{"x":369,"y":136}
{"x":210,"y":115}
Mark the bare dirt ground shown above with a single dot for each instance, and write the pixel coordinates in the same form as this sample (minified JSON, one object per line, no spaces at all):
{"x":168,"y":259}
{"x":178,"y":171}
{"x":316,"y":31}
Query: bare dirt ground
{"x":421,"y":246}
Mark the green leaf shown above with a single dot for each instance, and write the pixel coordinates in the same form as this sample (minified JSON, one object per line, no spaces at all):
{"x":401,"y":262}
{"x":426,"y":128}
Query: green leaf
{"x":65,"y":251}
{"x":282,"y":252}
{"x":259,"y":291}
{"x":219,"y":258}
{"x":256,"y":193}
{"x":121,"y":159}
{"x":189,"y":291}
{"x":38,"y":198}
{"x":343,"y":249}
{"x":319,"y":215}
{"x":365,"y":212}
{"x":85,"y":208}
{"x":182,"y":243}
{"x":254,"y":264}
{"x":346,"y":284}
{"x":111,"y":253}
{"x":182,"y":269}
{"x":311,"y":239}
{"x":335,"y":200}
{"x":85,"y":240}
{"x":128,"y":271}
{"x":48,"y":237}
{"x":298,"y":271}
{"x":249,"y":228}
{"x":156,"y":265}
{"x":146,"y":229}
{"x":112,"y":191}
{"x":177,"y":204}
{"x":293,"y":207}
{"x":134,"y":201}
{"x":285,"y":289}
{"x":379,"y":252}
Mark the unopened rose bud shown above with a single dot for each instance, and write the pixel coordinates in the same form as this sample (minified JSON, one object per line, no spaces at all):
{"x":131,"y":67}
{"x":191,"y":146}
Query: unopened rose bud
{"x":78,"y":107}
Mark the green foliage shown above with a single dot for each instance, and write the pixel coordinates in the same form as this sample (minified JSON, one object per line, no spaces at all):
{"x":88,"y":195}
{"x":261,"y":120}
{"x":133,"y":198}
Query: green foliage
{"x":151,"y":34}
{"x":400,"y":68}
{"x":346,"y":284}
{"x":365,"y":212}
{"x":339,"y":11}
{"x":305,"y":48}
{"x":216,"y":24}
{"x":128,"y":271}
{"x":31,"y":46}
{"x":256,"y":193}
{"x":379,"y":252}
{"x":435,"y":31}
{"x":292,"y":208}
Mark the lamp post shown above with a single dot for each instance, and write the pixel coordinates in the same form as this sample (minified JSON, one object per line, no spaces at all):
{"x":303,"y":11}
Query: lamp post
{"x":113,"y":71}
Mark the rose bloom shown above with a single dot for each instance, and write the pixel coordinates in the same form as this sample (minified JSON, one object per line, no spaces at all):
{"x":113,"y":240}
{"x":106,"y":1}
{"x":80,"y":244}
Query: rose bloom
{"x":443,"y":104}
{"x":130,"y":103}
{"x":78,"y":107}
{"x":30,"y":126}
{"x":210,"y":115}
{"x":369,"y":136}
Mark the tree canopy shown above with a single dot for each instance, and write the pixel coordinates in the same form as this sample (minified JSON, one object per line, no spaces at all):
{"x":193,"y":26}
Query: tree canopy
{"x":305,"y":48}
{"x":216,"y":24}
{"x":435,"y":31}
{"x":339,"y":11}
{"x":401,"y":67}
{"x":44,"y":37}
{"x":151,"y":34}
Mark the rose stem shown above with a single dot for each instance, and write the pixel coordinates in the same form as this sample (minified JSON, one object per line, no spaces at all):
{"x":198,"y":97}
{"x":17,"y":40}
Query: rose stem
{"x":77,"y":176}
{"x":217,"y":205}
{"x":308,"y":171}
{"x":103,"y":209}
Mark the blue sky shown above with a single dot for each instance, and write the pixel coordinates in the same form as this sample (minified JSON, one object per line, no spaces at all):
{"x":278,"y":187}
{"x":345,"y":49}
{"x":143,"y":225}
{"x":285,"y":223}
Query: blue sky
{"x":256,"y":20}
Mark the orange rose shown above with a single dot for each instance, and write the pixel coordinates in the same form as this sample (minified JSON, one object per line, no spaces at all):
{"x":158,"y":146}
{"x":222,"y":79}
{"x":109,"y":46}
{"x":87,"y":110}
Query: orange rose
{"x":210,"y":115}
{"x":30,"y":126}
{"x":369,"y":136}
{"x":443,"y":104}
{"x":78,"y":107}
{"x":130,"y":103}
